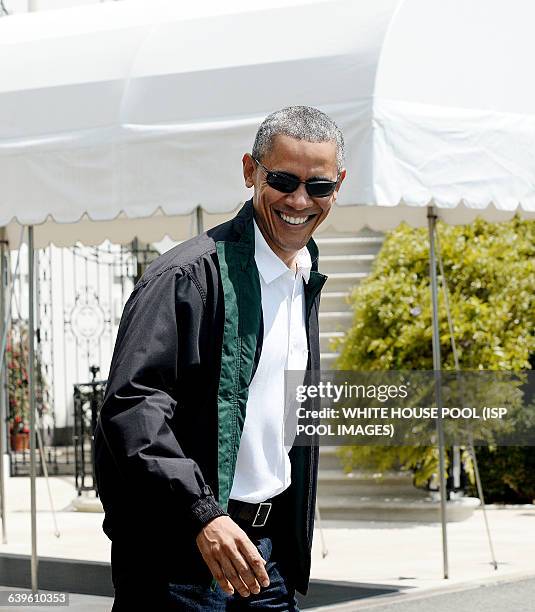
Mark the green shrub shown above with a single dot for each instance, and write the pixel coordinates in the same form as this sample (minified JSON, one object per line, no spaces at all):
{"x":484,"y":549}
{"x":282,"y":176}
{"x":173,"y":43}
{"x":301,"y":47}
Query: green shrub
{"x":507,"y":474}
{"x":490,"y":271}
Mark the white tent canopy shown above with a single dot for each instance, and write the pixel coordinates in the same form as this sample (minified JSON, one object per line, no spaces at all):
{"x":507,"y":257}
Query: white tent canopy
{"x":137,"y":110}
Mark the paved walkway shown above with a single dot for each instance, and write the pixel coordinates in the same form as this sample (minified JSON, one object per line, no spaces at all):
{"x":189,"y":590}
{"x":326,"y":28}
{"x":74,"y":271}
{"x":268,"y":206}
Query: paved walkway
{"x":507,"y":595}
{"x":409,"y":555}
{"x":404,"y":556}
{"x":77,"y":603}
{"x":504,"y":596}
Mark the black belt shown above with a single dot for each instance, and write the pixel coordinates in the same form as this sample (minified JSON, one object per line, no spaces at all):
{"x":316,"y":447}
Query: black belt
{"x":254,"y":515}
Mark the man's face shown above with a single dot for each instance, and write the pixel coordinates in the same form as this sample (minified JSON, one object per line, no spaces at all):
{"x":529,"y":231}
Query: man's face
{"x":304,"y":160}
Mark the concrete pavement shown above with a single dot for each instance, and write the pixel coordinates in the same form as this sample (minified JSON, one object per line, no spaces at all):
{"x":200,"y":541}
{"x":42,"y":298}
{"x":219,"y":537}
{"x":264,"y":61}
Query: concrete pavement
{"x":405,"y":557}
{"x":507,"y":595}
{"x":410,"y":555}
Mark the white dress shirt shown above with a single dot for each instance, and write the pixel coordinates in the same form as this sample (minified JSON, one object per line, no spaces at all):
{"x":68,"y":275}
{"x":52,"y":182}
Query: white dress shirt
{"x":263,"y":466}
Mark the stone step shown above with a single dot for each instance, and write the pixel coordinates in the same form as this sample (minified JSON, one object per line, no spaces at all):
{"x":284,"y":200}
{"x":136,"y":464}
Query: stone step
{"x":328,"y":364}
{"x":334,"y":482}
{"x":338,"y":320}
{"x":328,"y":359}
{"x":346,"y":263}
{"x":344,"y":281}
{"x":338,"y":245}
{"x":329,"y":458}
{"x":421,"y":510}
{"x":334,"y":300}
{"x":326,"y":338}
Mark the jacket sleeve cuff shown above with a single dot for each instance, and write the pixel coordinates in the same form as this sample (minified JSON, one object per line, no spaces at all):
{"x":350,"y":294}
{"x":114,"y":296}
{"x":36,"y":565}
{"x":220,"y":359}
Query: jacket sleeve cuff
{"x":204,"y":510}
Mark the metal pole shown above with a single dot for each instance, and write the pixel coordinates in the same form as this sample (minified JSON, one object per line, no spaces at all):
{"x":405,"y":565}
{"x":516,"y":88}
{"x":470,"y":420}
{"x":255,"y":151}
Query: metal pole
{"x":324,"y":551}
{"x":483,"y":506}
{"x":47,"y":480}
{"x":32,"y":7}
{"x":31,"y":370}
{"x":3,"y":370}
{"x":432,"y":218}
{"x":5,"y":322}
{"x":471,"y":447}
{"x":198,"y":216}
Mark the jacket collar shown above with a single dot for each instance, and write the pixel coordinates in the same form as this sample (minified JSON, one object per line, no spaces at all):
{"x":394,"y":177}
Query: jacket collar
{"x":244,"y":227}
{"x":270,"y":266}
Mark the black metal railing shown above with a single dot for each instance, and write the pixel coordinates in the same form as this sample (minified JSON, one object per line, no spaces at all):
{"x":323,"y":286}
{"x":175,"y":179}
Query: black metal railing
{"x":87,"y":401}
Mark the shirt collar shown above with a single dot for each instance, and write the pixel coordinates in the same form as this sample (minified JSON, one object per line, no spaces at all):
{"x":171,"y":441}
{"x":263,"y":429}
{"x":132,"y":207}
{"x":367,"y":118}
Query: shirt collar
{"x":270,"y":266}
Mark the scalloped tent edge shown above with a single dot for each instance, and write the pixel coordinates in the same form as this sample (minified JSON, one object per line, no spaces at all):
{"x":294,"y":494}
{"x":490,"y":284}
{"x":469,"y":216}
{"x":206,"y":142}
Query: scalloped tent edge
{"x":168,"y":119}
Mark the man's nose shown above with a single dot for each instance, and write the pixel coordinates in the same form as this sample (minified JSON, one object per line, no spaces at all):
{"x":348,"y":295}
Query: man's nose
{"x":299,"y":199}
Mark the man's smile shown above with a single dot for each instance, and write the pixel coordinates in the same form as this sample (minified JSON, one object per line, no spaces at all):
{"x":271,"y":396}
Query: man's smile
{"x":294,"y":219}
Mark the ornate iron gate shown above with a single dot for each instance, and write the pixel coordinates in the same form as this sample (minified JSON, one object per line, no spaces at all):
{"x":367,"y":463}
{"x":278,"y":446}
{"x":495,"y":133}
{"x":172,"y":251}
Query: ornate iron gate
{"x":80,"y":296}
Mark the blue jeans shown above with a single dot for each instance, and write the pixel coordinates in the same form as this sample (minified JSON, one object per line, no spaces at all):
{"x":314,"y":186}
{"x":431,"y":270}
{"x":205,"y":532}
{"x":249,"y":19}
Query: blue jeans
{"x":279,"y":595}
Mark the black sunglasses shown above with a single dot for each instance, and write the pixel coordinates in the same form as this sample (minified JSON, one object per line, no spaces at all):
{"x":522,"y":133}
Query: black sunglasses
{"x":288,"y":183}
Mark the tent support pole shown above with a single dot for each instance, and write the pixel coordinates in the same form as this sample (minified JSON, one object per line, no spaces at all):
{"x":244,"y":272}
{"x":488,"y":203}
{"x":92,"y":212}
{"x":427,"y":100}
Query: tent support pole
{"x":471,"y":448}
{"x":5,"y":322}
{"x":31,"y":370}
{"x":3,"y":372}
{"x":198,"y":217}
{"x":324,"y":551}
{"x":431,"y":219}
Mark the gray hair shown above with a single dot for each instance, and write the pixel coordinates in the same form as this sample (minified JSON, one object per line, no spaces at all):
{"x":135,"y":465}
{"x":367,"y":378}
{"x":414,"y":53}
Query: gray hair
{"x":302,"y":123}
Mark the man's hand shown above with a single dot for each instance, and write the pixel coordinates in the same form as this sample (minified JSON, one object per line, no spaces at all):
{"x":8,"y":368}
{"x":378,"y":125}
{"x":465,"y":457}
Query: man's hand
{"x":231,"y":556}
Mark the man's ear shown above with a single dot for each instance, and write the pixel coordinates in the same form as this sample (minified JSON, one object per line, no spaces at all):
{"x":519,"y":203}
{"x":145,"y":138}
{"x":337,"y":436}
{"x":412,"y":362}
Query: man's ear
{"x":249,"y":167}
{"x":340,"y":181}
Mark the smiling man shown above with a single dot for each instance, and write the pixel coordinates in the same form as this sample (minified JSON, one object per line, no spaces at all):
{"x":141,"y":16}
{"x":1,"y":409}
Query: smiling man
{"x":207,"y":506}
{"x":288,"y":208}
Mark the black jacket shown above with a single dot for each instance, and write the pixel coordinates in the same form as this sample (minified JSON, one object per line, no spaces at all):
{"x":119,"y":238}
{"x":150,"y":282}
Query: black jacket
{"x":169,"y":428}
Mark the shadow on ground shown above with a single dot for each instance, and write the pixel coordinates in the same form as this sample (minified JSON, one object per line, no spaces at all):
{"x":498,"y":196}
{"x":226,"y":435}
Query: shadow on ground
{"x":329,"y":592}
{"x":94,"y":578}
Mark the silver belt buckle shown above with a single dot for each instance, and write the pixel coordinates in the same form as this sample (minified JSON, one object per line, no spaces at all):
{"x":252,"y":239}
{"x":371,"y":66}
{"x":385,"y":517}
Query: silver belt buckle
{"x":264,"y":508}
